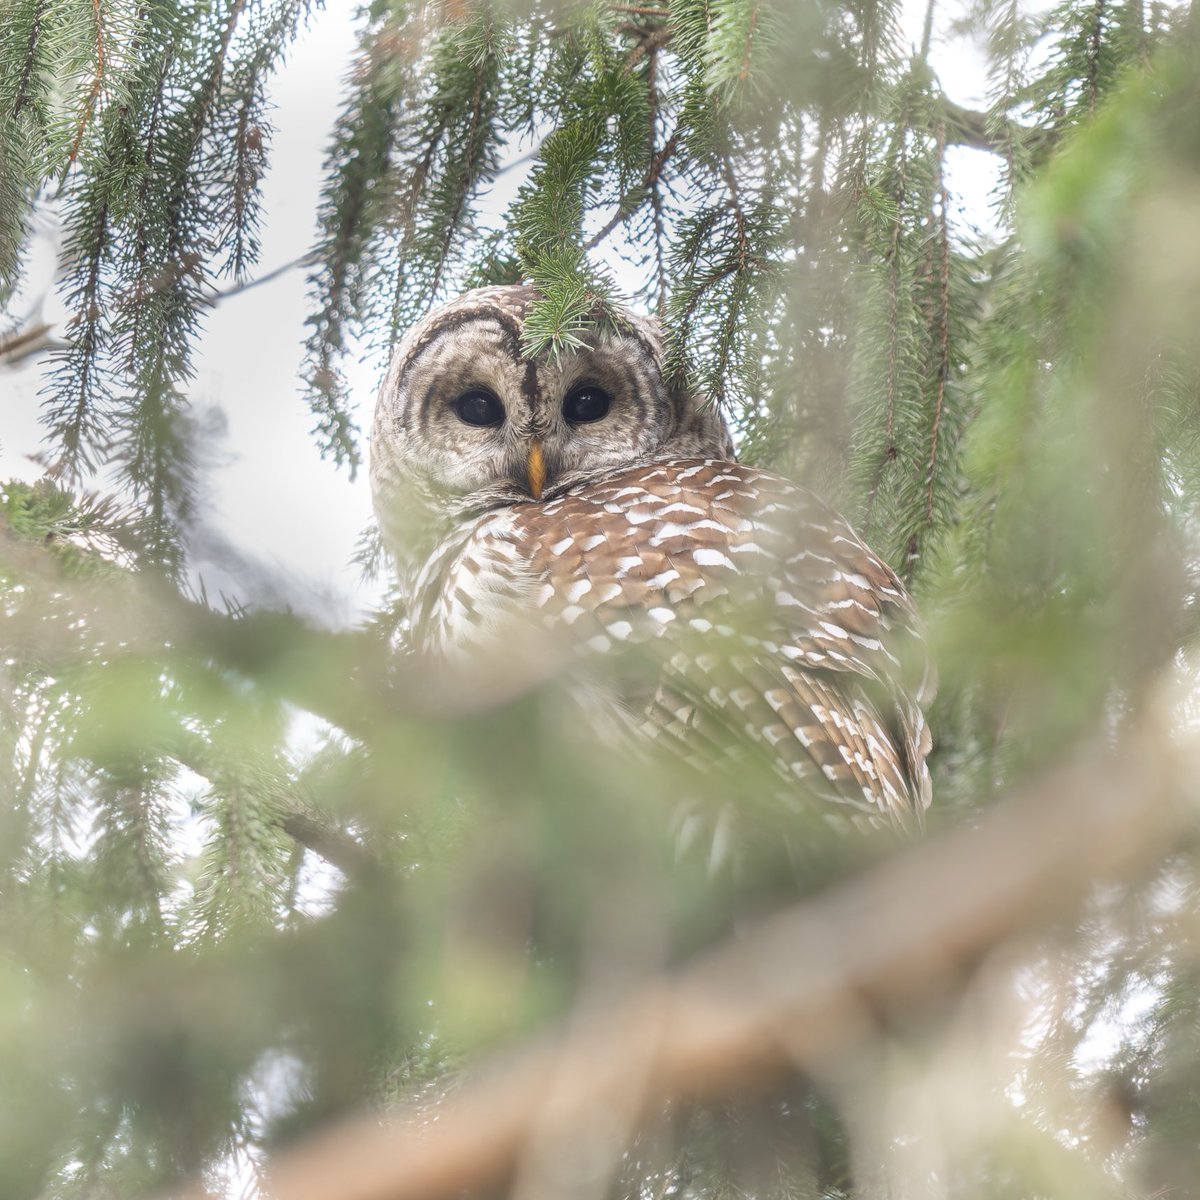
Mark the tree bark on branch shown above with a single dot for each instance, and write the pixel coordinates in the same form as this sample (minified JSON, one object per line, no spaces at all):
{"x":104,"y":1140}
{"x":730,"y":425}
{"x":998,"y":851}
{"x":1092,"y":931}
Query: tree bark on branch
{"x":804,"y":990}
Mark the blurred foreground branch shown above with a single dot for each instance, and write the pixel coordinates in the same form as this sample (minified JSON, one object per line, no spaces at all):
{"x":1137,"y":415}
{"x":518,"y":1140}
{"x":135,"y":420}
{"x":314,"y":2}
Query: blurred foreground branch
{"x":804,"y":989}
{"x":349,"y":678}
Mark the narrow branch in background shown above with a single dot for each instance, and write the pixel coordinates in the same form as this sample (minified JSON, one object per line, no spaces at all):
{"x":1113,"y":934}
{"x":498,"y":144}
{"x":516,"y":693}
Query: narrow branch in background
{"x":34,"y":338}
{"x":1095,"y":38}
{"x":802,"y":990}
{"x":965,"y":127}
{"x":25,"y":341}
{"x":94,"y":95}
{"x":647,"y":182}
{"x":35,"y":34}
{"x":744,"y":68}
{"x":305,"y":260}
{"x":942,"y":367}
{"x":889,"y":432}
{"x":656,"y":200}
{"x":334,"y":845}
{"x":927,"y":32}
{"x":468,"y":178}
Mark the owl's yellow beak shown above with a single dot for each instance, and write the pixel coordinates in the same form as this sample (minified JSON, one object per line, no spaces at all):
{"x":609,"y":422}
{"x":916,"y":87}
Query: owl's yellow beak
{"x":535,"y":469}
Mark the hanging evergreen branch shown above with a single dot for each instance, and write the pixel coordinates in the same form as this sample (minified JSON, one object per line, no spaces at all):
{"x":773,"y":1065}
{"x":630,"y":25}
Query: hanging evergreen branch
{"x":889,"y":453}
{"x":942,"y":363}
{"x":402,"y":208}
{"x":89,"y":105}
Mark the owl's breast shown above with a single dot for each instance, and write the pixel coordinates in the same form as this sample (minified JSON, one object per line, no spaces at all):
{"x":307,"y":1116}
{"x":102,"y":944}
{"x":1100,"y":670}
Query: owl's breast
{"x":762,"y":612}
{"x":472,"y":589}
{"x":686,"y":539}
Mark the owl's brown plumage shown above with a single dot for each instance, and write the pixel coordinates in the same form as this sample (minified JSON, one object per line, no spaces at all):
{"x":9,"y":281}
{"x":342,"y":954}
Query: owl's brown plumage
{"x":766,"y":614}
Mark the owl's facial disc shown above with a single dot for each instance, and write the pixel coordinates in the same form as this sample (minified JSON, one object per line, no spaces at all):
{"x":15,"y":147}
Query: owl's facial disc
{"x":467,"y":422}
{"x":475,"y":417}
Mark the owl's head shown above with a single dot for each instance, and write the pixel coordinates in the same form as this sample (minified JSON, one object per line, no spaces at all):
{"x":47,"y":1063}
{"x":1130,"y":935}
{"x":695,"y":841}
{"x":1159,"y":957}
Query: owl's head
{"x":465,"y":421}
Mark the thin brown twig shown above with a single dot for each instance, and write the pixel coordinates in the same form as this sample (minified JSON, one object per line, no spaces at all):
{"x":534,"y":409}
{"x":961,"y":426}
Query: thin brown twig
{"x":943,"y":360}
{"x":236,"y":289}
{"x":648,"y":41}
{"x":1095,"y":40}
{"x":32,"y":338}
{"x":471,"y":150}
{"x":744,"y":69}
{"x":656,"y":200}
{"x":804,"y":989}
{"x":94,"y":94}
{"x":28,"y":339}
{"x":31,"y":48}
{"x":890,"y":451}
{"x":646,"y":183}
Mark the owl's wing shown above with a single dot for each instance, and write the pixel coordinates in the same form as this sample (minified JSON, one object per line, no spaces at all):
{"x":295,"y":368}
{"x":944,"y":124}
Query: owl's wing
{"x":770,"y":615}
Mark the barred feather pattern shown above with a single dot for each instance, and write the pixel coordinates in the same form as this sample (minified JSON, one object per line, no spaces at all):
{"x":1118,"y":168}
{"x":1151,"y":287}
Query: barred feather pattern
{"x":766,"y":615}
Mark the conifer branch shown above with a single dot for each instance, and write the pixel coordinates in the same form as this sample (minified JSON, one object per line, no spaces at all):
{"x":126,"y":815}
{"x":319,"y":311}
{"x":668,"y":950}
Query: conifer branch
{"x":729,"y":176}
{"x":248,"y":143}
{"x":942,"y":363}
{"x":31,"y":51}
{"x":890,"y":451}
{"x":656,"y":200}
{"x":466,"y":181}
{"x":334,"y":845}
{"x":94,"y":94}
{"x":71,"y":423}
{"x":632,"y":201}
{"x":412,"y":199}
{"x":1095,"y":38}
{"x":800,"y":991}
{"x":142,"y":235}
{"x":966,"y":127}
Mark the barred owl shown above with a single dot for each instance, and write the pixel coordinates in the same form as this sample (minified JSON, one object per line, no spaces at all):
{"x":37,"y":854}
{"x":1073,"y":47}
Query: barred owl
{"x":581,"y":491}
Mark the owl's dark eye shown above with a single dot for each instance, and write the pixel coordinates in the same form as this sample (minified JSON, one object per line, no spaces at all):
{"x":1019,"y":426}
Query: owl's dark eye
{"x":586,"y":403}
{"x":478,"y":407}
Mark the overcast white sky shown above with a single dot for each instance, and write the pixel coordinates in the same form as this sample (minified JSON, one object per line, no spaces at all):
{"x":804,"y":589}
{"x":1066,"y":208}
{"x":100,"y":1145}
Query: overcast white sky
{"x":272,"y":497}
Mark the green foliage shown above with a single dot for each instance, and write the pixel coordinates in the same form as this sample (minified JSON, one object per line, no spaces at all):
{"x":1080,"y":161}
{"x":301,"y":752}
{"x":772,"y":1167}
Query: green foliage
{"x":248,"y":882}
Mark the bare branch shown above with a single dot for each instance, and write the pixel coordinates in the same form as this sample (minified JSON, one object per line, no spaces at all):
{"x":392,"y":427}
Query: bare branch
{"x":31,"y":338}
{"x":965,"y":127}
{"x":334,"y":845}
